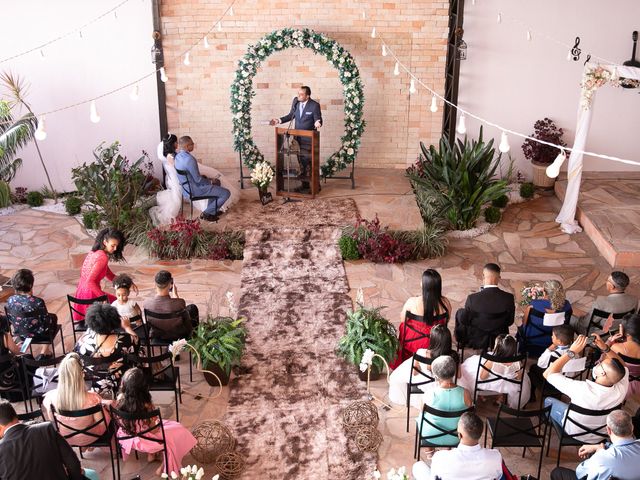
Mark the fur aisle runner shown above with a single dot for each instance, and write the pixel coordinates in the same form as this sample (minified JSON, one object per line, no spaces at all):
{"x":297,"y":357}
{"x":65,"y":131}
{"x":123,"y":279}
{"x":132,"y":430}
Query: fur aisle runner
{"x":286,"y":408}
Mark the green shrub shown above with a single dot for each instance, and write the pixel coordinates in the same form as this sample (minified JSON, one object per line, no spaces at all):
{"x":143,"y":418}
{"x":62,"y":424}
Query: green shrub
{"x":35,"y":199}
{"x":73,"y":205}
{"x":348,"y":247}
{"x":219,"y":341}
{"x":91,"y":220}
{"x":457,"y":181}
{"x":500,"y":202}
{"x":5,"y":194}
{"x":527,"y":190}
{"x":492,"y":214}
{"x":427,"y":242}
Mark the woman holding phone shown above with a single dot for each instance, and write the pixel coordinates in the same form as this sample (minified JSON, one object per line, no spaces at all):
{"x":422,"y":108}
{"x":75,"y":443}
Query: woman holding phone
{"x":626,"y":343}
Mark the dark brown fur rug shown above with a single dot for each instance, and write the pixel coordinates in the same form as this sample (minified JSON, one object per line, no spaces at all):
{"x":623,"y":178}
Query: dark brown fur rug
{"x":285,"y":406}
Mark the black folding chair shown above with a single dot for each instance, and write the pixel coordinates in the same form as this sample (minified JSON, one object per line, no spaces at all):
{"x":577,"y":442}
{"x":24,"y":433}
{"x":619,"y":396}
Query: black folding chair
{"x":573,"y":439}
{"x":412,"y":331}
{"x":519,"y":428}
{"x":603,"y":316}
{"x":149,"y":423}
{"x":99,"y":373}
{"x":631,"y":361}
{"x":13,"y":383}
{"x":79,"y":326}
{"x":153,"y":343}
{"x":531,"y":331}
{"x":162,"y":375}
{"x":69,"y":431}
{"x":186,"y":186}
{"x":489,"y":336}
{"x":50,"y":340}
{"x":427,"y":440}
{"x":417,"y":379}
{"x":31,"y":417}
{"x":40,"y":382}
{"x":493,"y":376}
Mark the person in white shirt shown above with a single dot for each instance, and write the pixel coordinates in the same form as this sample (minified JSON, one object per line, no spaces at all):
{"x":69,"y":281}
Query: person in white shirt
{"x":607,"y":389}
{"x":468,"y":461}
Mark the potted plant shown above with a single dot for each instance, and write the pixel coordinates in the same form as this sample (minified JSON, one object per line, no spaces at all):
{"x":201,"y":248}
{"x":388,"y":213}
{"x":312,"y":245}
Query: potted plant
{"x":366,"y":328}
{"x":261,"y":177}
{"x":219,"y":342}
{"x":541,"y":155}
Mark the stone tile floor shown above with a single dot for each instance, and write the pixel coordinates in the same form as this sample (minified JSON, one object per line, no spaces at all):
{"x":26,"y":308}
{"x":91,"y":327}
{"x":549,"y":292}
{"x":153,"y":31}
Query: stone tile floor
{"x":528,"y":244}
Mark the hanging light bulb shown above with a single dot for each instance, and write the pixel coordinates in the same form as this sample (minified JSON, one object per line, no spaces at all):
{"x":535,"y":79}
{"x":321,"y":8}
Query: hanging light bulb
{"x":462,"y":126}
{"x":504,"y":143}
{"x":396,"y":69}
{"x":94,"y":117}
{"x":473,"y":2}
{"x":206,"y":42}
{"x":364,"y":15}
{"x":115,"y":14}
{"x":187,"y":59}
{"x":529,"y":37}
{"x":134,"y":93}
{"x":553,"y":170}
{"x":499,"y":19}
{"x":412,"y":86}
{"x":231,"y":11}
{"x":41,"y":53}
{"x":80,"y":33}
{"x":434,"y":104}
{"x":373,"y":32}
{"x":219,"y":26}
{"x":163,"y":75}
{"x":40,"y":133}
{"x":384,"y":50}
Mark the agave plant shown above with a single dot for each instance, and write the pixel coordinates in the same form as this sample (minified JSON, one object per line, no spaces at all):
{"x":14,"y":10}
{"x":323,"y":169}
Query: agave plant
{"x":460,"y":179}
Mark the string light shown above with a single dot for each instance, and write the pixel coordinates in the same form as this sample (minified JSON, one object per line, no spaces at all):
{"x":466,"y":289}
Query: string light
{"x":231,"y":11}
{"x":504,"y":143}
{"x":529,"y":37}
{"x":462,"y":126}
{"x":384,"y":50}
{"x":412,"y":86}
{"x":80,"y":33}
{"x":499,"y":19}
{"x":94,"y":117}
{"x":219,"y":26}
{"x":115,"y":14}
{"x":134,"y":93}
{"x":553,"y":170}
{"x":206,"y":42}
{"x":396,"y":69}
{"x":434,"y":104}
{"x":187,"y":59}
{"x":163,"y":75}
{"x":40,"y":132}
{"x":364,"y":15}
{"x":373,"y":32}
{"x":42,"y":53}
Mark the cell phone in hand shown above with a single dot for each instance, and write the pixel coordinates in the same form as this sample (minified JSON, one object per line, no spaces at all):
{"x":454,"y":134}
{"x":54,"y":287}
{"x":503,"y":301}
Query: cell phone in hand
{"x":25,"y":345}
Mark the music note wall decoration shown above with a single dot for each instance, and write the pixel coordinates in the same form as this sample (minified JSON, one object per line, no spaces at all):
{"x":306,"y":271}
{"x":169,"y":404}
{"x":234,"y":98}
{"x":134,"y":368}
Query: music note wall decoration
{"x":575,"y":51}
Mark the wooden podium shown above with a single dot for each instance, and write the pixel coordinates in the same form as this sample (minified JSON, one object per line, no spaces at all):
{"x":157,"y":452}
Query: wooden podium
{"x":288,"y":170}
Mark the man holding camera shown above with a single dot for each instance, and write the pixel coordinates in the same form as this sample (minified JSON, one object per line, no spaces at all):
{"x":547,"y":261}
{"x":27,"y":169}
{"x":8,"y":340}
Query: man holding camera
{"x":607,"y":389}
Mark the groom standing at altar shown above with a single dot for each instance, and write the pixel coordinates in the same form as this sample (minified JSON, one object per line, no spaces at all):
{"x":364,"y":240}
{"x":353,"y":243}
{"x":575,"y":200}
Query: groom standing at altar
{"x":307,"y":116}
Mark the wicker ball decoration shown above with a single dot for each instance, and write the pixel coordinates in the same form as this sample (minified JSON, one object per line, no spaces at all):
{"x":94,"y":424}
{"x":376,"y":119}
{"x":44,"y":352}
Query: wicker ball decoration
{"x":230,"y":465}
{"x":359,"y":414}
{"x":368,"y":438}
{"x":214,"y":439}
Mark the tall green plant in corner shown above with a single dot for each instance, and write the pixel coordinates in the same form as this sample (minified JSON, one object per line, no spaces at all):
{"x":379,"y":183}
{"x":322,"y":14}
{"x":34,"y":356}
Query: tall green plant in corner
{"x":458,"y":180}
{"x":18,"y":89}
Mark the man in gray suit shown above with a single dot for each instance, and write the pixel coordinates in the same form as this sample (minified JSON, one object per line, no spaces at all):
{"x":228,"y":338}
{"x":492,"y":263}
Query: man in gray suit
{"x":617,"y":301}
{"x":308,"y":116}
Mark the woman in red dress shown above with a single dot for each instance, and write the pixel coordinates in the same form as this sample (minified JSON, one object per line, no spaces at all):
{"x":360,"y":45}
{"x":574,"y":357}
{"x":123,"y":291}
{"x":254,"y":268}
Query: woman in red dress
{"x":420,"y":314}
{"x":109,"y":245}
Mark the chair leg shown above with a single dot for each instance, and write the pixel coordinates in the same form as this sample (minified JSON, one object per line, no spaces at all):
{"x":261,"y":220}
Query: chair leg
{"x":486,"y":431}
{"x":415,"y":446}
{"x":113,"y":467}
{"x":64,"y":352}
{"x":118,"y":458}
{"x":175,"y":394}
{"x":190,"y":367}
{"x":408,"y":404}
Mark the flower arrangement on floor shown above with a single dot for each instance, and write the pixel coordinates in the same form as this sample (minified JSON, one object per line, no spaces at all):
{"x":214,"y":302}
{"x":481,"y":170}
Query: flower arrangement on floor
{"x":261,"y":177}
{"x":530,"y":293}
{"x":189,"y":473}
{"x":393,"y":474}
{"x":242,"y":93}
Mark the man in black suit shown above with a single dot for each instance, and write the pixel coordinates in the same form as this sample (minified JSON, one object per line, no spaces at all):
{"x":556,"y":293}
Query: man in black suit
{"x":308,"y":116}
{"x":35,"y":451}
{"x":487,"y":313}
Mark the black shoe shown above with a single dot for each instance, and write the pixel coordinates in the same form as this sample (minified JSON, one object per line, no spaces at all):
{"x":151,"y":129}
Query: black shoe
{"x":209,"y":218}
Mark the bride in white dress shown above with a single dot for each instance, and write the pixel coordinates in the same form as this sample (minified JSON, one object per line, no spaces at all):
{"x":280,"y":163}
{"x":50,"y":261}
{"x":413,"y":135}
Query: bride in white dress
{"x":169,"y":201}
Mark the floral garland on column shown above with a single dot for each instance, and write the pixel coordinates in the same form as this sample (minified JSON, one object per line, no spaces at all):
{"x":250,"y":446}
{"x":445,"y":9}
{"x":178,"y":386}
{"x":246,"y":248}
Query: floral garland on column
{"x":242,"y":92}
{"x":595,"y":76}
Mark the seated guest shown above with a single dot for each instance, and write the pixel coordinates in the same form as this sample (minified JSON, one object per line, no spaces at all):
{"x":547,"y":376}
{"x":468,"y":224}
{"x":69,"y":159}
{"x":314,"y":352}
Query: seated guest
{"x":8,"y":379}
{"x":468,"y":461}
{"x":439,"y":345}
{"x":134,"y":397}
{"x":187,"y":316}
{"x":487,"y":313}
{"x":607,"y":390}
{"x":627,"y":344}
{"x":505,"y":346}
{"x":539,"y":335}
{"x":561,"y":340}
{"x":618,"y":458}
{"x":127,"y":308}
{"x":28,"y":314}
{"x":430,"y":309}
{"x":617,"y":301}
{"x":35,"y":451}
{"x":103,"y":340}
{"x":201,"y":185}
{"x":446,"y":396}
{"x":72,"y":395}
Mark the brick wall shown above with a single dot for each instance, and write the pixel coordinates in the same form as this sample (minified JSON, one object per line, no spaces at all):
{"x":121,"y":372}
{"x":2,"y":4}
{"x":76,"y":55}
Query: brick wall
{"x":198,"y":95}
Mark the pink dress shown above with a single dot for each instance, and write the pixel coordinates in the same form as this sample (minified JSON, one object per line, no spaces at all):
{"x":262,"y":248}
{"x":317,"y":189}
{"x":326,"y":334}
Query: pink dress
{"x":179,"y":443}
{"x":94,"y":269}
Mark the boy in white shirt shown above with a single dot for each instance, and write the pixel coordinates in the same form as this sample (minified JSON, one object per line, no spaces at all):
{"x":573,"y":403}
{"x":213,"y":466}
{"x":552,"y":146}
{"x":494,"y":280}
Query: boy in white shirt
{"x":561,"y":340}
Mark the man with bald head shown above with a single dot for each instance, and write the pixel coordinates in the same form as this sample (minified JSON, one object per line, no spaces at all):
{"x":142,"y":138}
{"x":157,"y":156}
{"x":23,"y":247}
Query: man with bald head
{"x":607,"y":389}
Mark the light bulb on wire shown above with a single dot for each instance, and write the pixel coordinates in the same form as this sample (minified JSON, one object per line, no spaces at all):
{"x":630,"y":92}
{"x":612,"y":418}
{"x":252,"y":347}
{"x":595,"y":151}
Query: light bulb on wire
{"x":529,"y":37}
{"x":41,"y":53}
{"x":364,"y":15}
{"x":504,"y":143}
{"x":499,"y":19}
{"x":396,"y":69}
{"x":206,"y":42}
{"x":187,"y":59}
{"x":462,"y":126}
{"x":94,"y":117}
{"x":553,"y":170}
{"x":163,"y":75}
{"x":434,"y":104}
{"x":135,"y":91}
{"x":412,"y":86}
{"x":40,"y":132}
{"x":384,"y":50}
{"x":231,"y":11}
{"x":373,"y":32}
{"x":219,"y":26}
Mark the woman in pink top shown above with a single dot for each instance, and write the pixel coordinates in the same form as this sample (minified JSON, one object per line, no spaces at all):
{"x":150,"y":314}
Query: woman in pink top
{"x":72,"y":395}
{"x":109,"y":245}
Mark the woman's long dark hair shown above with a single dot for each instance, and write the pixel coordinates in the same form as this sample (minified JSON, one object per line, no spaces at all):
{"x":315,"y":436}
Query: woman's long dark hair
{"x":505,"y":346}
{"x":134,"y":397}
{"x":168,"y":144}
{"x":111,"y":234}
{"x":431,"y":294}
{"x":439,"y":341}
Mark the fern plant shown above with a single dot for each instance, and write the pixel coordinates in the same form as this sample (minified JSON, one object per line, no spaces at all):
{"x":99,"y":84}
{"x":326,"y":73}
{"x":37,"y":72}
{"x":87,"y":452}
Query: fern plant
{"x":219,"y":341}
{"x":459,"y":179}
{"x":367,"y":328}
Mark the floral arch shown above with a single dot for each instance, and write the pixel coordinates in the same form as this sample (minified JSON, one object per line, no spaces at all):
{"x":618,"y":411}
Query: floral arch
{"x":242,"y":92}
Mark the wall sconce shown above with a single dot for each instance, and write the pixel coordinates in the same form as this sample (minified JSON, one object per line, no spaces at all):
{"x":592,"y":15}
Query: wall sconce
{"x":461,"y":45}
{"x":157,"y":57}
